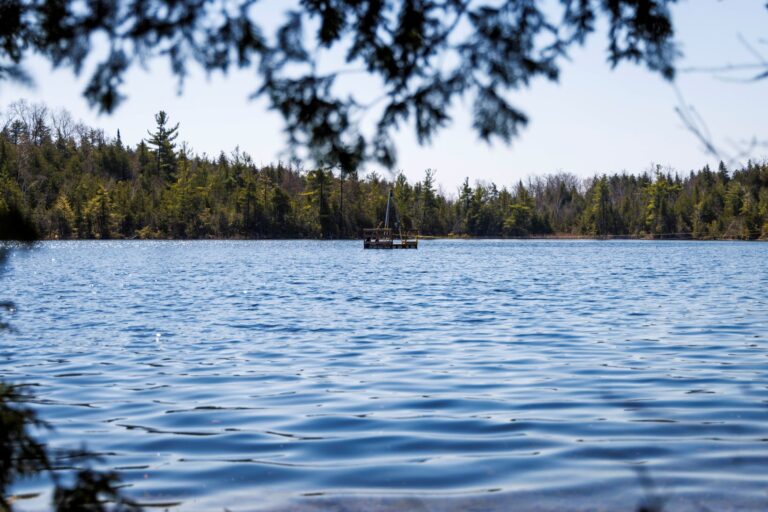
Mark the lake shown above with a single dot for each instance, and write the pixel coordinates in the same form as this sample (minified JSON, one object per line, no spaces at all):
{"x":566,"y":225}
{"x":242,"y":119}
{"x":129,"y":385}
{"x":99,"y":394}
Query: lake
{"x":494,"y":375}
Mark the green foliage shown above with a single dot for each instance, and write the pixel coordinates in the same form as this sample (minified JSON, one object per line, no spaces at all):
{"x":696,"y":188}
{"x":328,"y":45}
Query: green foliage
{"x":82,"y":184}
{"x":14,"y":225}
{"x":661,"y":193}
{"x":320,"y":182}
{"x":163,"y":140}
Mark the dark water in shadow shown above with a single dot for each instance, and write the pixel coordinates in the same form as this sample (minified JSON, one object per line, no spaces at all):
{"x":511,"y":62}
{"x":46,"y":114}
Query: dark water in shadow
{"x":467,"y":374}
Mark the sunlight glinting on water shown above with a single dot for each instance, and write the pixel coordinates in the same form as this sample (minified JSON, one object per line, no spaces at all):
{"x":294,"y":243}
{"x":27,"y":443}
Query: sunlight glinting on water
{"x":303,"y":373}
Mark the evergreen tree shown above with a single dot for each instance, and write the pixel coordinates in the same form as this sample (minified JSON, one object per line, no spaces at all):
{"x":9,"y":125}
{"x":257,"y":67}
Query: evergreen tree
{"x":82,"y":184}
{"x":599,"y":213}
{"x":519,"y":219}
{"x":320,"y":181}
{"x":659,"y":212}
{"x":163,"y":140}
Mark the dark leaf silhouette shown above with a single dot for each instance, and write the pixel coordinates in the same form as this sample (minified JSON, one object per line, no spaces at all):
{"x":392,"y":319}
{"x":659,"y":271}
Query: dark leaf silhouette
{"x":423,"y":54}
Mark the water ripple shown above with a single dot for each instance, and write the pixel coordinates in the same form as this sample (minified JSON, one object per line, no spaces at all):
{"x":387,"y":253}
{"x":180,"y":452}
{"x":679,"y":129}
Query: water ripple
{"x":464,"y":375}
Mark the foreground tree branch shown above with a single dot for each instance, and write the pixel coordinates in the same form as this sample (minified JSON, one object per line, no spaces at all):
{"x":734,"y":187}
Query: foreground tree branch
{"x":423,"y":53}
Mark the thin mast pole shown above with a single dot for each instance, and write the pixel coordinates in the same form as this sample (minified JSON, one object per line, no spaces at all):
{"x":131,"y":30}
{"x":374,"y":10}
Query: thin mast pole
{"x":386,"y":217}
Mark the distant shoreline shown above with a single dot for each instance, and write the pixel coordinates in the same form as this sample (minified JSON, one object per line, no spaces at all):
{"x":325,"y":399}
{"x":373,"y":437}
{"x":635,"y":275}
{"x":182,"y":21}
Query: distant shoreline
{"x":675,"y":238}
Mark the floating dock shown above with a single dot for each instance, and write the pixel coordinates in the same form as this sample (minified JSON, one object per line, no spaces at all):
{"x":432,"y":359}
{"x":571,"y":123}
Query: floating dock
{"x":385,"y":238}
{"x":388,"y":238}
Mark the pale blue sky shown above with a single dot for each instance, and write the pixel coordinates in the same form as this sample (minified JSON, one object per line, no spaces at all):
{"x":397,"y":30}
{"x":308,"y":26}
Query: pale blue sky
{"x":594,"y":120}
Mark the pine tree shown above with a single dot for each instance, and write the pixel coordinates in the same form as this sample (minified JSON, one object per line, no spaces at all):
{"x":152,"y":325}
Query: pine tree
{"x":320,"y":181}
{"x":599,"y":213}
{"x":163,"y":141}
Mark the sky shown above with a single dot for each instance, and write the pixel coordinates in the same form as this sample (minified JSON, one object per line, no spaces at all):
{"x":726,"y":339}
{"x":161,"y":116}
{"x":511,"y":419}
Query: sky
{"x":594,"y":120}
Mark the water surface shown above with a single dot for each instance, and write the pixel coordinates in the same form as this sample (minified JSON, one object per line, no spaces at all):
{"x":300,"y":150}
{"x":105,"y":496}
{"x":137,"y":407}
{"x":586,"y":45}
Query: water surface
{"x":466,"y":374}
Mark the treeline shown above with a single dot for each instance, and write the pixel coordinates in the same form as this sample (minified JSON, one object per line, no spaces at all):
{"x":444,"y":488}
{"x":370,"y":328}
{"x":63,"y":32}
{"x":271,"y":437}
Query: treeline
{"x":74,"y":181}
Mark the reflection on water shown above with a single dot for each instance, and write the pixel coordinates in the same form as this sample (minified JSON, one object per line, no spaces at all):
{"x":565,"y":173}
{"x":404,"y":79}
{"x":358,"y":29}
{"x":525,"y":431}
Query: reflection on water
{"x":465,"y":374}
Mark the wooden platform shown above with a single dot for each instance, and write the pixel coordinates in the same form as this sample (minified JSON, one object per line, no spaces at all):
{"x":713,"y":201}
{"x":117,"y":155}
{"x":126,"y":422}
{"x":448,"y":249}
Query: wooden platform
{"x":391,"y":244}
{"x":385,"y":238}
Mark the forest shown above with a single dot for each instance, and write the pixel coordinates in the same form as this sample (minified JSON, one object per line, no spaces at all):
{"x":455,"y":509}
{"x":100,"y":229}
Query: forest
{"x":72,"y":181}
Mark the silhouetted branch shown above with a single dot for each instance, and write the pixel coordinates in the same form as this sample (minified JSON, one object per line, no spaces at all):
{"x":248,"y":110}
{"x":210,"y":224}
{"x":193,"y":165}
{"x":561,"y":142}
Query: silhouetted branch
{"x":759,"y":64}
{"x":414,"y":48}
{"x":694,"y":123}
